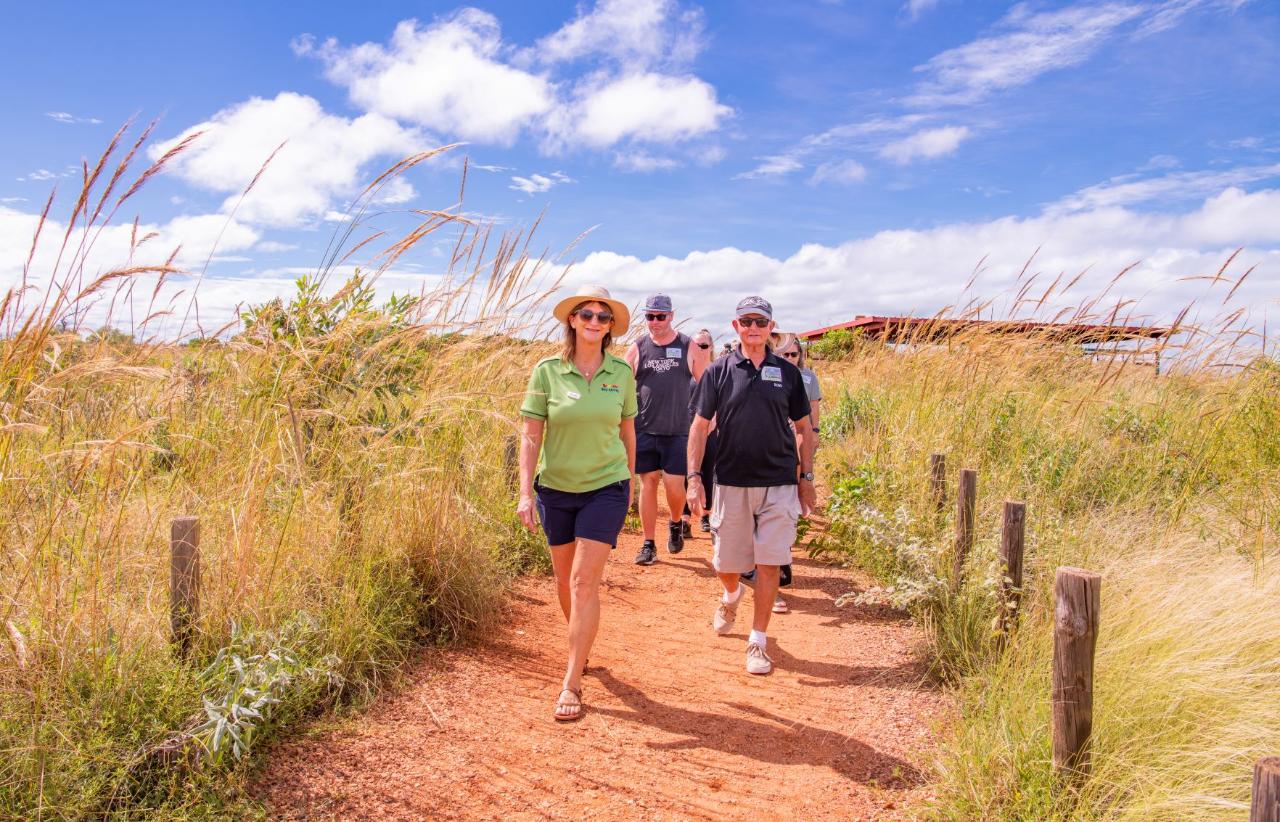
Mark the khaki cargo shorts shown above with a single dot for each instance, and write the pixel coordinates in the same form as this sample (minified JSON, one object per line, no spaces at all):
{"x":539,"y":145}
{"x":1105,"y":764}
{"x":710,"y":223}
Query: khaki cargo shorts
{"x":753,"y":526}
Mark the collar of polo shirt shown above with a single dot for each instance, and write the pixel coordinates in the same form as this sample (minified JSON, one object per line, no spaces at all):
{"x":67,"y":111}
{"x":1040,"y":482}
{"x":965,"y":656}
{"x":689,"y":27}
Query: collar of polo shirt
{"x":606,"y":366}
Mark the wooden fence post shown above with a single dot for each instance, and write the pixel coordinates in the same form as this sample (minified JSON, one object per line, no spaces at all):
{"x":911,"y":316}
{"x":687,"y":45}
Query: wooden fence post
{"x":938,"y":480}
{"x":966,"y":505}
{"x":1012,"y":539}
{"x":184,"y":580}
{"x":1266,"y":791}
{"x":1077,"y":598}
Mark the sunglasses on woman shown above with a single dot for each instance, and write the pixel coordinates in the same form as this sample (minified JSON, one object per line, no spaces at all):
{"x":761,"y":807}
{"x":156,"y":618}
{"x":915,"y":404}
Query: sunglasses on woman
{"x":759,"y":322}
{"x":587,"y":315}
{"x":703,"y":345}
{"x":792,"y":355}
{"x":655,"y":317}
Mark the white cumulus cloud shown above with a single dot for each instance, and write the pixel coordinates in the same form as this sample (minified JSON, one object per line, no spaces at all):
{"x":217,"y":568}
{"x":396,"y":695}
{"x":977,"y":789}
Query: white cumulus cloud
{"x":322,"y":157}
{"x":646,"y":107}
{"x":450,"y":77}
{"x":539,"y":183}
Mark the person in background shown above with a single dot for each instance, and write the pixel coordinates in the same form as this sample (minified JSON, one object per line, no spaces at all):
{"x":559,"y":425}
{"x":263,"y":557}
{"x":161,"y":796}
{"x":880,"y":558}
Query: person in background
{"x":789,"y":348}
{"x":579,"y":430}
{"x":666,"y":365}
{"x":704,"y":341}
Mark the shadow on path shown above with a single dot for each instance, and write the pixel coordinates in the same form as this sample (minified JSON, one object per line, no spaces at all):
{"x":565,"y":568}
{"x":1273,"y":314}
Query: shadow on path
{"x":769,"y":738}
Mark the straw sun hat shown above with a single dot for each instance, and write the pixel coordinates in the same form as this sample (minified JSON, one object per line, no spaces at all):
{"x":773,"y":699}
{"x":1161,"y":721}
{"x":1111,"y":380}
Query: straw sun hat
{"x":597,"y":294}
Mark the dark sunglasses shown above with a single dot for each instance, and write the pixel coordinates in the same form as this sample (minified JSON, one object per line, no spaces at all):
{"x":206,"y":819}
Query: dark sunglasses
{"x":792,"y":355}
{"x":704,"y":345}
{"x":759,"y":322}
{"x":587,"y":315}
{"x":655,"y":317}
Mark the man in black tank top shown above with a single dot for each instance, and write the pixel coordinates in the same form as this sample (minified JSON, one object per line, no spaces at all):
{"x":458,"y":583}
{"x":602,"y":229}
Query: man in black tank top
{"x":666,"y":366}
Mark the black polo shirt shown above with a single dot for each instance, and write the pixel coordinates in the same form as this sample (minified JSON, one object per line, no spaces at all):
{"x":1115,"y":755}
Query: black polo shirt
{"x":753,"y":410}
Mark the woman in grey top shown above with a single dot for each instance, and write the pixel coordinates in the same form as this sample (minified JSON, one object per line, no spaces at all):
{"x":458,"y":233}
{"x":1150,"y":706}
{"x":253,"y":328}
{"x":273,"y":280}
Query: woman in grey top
{"x":788,"y":346}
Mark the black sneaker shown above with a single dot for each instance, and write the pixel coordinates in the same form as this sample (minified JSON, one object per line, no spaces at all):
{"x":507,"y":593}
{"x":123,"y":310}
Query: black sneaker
{"x":705,"y":525}
{"x":648,"y":553}
{"x":688,"y":529}
{"x":675,"y":538}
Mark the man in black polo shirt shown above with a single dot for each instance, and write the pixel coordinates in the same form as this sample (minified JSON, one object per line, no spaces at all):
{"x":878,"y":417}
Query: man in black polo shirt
{"x":762,"y":484}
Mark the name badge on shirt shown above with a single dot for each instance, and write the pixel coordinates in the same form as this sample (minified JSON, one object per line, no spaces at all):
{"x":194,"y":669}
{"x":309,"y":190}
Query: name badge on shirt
{"x":772,"y":373}
{"x":573,"y":395}
{"x":674,"y":352}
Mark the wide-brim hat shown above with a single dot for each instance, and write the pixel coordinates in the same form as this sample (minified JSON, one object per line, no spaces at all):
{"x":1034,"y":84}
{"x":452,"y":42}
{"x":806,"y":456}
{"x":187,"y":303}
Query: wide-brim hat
{"x":781,"y":340}
{"x":595,"y":294}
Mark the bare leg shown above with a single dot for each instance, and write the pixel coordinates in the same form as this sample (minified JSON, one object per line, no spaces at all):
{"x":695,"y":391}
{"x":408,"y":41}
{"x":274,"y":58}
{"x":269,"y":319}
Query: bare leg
{"x":584,"y":615}
{"x":562,"y":566}
{"x":766,"y":590}
{"x":675,"y":497}
{"x":730,"y":582}
{"x":649,"y":502}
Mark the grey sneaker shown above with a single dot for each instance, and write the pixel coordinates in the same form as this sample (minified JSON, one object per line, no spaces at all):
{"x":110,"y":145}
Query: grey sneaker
{"x":726,"y":613}
{"x":758,"y":661}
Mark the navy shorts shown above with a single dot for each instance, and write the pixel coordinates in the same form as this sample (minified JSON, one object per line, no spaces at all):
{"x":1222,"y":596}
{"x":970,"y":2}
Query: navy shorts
{"x":597,"y":515}
{"x":668,"y":453}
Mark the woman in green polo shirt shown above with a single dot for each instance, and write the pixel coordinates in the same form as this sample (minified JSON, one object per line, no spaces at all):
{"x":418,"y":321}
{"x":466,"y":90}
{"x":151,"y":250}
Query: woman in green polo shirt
{"x":579,"y":430}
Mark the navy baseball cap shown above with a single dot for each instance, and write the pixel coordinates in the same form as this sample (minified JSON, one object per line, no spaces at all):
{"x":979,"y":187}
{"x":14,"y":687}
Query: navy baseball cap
{"x":658,"y":302}
{"x":755,"y":305}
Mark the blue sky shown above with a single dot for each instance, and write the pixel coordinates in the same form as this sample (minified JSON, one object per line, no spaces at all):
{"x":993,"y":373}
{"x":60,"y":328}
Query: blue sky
{"x":840,"y":158}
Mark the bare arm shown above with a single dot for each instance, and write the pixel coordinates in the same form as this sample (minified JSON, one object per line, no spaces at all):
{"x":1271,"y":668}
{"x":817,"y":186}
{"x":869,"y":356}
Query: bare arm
{"x":808,"y":494}
{"x":697,"y":495}
{"x":699,"y":359}
{"x":627,"y":432}
{"x":815,"y":414}
{"x":530,"y":447}
{"x":633,"y":358}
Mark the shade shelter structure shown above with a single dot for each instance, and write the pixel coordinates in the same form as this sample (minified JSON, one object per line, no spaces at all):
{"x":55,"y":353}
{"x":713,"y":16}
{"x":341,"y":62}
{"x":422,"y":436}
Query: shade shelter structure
{"x":911,"y":331}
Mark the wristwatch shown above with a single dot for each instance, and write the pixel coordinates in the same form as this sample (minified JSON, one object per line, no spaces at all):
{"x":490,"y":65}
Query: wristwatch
{"x":806,"y":475}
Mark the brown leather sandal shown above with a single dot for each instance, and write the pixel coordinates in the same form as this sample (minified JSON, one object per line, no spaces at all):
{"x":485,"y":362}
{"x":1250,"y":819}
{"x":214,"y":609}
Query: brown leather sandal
{"x":576,"y":715}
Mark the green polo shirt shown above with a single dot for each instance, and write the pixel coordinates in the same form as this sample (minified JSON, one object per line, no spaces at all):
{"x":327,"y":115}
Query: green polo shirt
{"x":581,"y":449}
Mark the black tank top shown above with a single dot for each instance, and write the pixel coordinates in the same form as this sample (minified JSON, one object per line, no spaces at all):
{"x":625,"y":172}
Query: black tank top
{"x":662,"y":386}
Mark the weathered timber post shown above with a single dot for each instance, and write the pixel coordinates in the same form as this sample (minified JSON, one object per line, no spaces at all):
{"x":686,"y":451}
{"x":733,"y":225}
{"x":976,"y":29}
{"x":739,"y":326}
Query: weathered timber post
{"x":1077,"y":597}
{"x":1012,"y":538}
{"x":184,"y":580}
{"x":966,"y":505}
{"x":511,"y":460}
{"x":1266,"y":791}
{"x":938,"y":480}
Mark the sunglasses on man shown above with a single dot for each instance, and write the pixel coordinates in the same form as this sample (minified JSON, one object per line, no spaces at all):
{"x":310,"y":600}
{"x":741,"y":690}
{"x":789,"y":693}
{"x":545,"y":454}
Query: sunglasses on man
{"x":759,"y":322}
{"x":656,"y":318}
{"x":587,"y":315}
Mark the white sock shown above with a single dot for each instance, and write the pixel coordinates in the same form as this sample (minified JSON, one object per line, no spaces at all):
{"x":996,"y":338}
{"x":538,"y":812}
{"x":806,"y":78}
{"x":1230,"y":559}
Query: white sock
{"x":758,"y":638}
{"x":728,"y":598}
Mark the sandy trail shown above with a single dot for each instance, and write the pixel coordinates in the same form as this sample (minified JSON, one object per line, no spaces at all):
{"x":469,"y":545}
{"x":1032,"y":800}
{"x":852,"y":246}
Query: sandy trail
{"x":674,"y":726}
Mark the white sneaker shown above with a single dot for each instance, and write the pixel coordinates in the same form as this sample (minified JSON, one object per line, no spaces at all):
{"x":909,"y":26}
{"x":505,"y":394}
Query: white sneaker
{"x":758,"y":661}
{"x":726,"y":613}
{"x":779,"y":605}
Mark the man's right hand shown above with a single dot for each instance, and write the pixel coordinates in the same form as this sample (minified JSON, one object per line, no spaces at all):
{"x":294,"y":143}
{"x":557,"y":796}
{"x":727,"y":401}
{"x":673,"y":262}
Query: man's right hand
{"x":696,"y":496}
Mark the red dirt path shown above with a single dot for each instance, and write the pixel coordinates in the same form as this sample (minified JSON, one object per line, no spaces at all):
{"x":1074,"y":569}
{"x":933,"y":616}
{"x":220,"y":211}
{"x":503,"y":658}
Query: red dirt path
{"x":674,"y":726}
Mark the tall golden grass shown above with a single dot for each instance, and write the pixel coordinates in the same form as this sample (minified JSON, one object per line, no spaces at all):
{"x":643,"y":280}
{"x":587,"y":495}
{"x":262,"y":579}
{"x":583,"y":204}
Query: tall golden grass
{"x":1166,"y":484}
{"x":347,"y":474}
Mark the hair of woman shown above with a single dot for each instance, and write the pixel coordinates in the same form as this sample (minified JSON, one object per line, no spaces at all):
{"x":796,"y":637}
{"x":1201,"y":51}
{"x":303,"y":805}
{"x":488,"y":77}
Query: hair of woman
{"x":570,"y":348}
